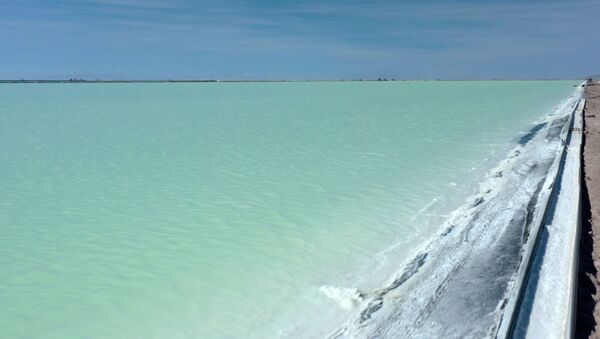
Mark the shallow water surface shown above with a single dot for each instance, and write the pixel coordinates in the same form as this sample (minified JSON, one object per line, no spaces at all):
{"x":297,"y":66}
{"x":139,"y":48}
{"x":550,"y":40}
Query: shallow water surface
{"x":232,"y":209}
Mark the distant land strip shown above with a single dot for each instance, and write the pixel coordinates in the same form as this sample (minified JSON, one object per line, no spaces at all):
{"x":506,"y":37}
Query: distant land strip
{"x":69,"y":81}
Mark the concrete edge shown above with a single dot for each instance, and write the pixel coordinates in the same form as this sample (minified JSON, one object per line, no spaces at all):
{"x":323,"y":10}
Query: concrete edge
{"x":513,"y":304}
{"x":574,"y":149}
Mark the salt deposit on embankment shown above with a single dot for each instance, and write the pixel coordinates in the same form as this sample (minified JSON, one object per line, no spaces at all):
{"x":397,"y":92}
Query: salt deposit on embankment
{"x":507,"y":264}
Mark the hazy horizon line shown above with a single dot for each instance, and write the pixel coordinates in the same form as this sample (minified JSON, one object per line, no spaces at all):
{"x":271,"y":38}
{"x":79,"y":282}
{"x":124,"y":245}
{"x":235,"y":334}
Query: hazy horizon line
{"x":381,"y":79}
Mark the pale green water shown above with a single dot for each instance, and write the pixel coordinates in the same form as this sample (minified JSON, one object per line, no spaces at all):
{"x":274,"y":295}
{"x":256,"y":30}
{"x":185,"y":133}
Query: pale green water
{"x":218,"y":210}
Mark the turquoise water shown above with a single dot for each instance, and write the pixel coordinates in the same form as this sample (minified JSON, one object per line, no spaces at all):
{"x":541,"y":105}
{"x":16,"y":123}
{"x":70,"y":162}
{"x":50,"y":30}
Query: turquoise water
{"x":221,"y":209}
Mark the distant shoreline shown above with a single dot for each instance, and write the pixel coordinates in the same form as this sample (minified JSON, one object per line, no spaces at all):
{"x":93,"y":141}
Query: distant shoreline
{"x":79,"y":81}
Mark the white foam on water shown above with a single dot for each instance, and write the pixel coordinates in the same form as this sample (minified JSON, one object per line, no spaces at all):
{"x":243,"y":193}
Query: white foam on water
{"x":347,"y":298}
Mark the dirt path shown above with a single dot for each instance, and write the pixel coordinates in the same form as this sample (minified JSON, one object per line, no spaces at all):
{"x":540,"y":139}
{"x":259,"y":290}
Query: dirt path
{"x":588,"y":308}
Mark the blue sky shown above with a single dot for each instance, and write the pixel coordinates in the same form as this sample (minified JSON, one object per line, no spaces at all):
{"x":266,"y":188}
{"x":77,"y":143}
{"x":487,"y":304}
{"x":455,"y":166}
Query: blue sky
{"x":304,"y":39}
